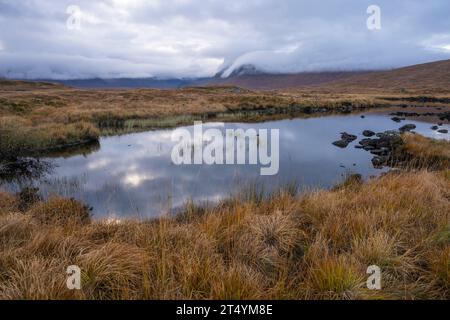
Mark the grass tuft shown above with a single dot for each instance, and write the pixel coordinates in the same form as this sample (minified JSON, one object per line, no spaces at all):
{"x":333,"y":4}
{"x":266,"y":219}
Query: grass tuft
{"x":316,"y":245}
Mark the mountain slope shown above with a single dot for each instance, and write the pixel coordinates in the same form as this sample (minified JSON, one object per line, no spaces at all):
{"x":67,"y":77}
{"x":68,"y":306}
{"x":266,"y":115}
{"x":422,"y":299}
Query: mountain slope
{"x":265,"y":81}
{"x":433,"y":76}
{"x":124,"y":83}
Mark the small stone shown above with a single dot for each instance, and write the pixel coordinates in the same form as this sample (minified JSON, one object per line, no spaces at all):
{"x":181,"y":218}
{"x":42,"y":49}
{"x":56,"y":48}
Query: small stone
{"x":368,"y":133}
{"x":377,"y":152}
{"x":377,"y":162}
{"x":348,"y":137}
{"x":407,"y":127}
{"x":341,"y":144}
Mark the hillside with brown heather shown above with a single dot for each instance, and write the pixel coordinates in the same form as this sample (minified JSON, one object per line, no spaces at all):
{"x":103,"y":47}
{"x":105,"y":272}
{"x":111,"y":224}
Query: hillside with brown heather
{"x":433,"y":77}
{"x":316,"y":245}
{"x":266,"y":81}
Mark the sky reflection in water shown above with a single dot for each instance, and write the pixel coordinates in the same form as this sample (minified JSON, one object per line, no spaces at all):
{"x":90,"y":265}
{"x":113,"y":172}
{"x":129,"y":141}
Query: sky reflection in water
{"x":133,"y":175}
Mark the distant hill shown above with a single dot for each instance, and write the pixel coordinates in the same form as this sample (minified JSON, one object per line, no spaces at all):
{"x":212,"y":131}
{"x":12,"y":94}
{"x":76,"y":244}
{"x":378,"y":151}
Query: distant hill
{"x":124,"y":83}
{"x":433,"y":76}
{"x":244,"y":70}
{"x":265,"y":81}
{"x":18,"y":85}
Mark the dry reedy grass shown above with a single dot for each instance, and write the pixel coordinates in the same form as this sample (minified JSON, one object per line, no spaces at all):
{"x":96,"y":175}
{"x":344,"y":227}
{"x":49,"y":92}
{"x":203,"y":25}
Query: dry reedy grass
{"x":426,"y":152}
{"x":19,"y":136}
{"x":39,"y":116}
{"x":314,"y":246}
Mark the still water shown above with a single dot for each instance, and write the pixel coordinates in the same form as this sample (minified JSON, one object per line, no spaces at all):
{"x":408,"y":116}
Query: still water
{"x":133,"y":175}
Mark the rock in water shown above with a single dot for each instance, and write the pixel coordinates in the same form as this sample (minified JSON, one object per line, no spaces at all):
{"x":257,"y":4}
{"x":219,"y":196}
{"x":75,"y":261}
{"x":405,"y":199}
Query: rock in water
{"x":348,"y":137}
{"x":379,"y":162}
{"x":368,"y":133}
{"x":341,"y":144}
{"x":407,"y":127}
{"x":382,"y":147}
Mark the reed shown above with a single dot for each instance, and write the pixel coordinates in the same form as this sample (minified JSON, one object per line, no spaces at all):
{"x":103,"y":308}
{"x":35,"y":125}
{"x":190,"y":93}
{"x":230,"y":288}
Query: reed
{"x":315,"y":245}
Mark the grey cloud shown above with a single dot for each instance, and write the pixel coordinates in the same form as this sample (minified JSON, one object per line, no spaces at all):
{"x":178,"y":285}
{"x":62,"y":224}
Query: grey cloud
{"x":182,"y":38}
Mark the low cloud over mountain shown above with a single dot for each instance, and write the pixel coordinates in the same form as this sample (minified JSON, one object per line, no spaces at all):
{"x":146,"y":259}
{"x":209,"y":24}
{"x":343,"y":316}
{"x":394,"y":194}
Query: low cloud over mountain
{"x":197,"y":38}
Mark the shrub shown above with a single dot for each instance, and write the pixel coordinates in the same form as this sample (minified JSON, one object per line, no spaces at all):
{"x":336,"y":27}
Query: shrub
{"x":60,"y":211}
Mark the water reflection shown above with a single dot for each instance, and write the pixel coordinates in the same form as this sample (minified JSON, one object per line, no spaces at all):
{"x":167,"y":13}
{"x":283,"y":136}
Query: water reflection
{"x":20,"y":171}
{"x":133,"y":175}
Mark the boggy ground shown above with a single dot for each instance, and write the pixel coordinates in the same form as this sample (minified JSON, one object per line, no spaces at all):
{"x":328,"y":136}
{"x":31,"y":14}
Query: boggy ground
{"x":316,"y":245}
{"x":39,"y":117}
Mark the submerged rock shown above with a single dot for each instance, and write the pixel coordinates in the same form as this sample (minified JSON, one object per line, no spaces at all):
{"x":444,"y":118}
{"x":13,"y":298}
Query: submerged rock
{"x":386,"y":139}
{"x":346,"y":139}
{"x":443,"y":131}
{"x":383,"y":147}
{"x":397,"y":119}
{"x":434,"y":128}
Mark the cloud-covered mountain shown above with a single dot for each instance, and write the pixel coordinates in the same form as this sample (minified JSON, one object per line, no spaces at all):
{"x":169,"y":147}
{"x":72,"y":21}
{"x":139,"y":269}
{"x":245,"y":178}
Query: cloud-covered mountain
{"x":198,"y":38}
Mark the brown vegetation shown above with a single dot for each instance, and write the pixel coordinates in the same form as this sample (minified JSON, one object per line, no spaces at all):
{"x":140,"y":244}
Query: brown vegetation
{"x":428,"y":78}
{"x":39,"y":116}
{"x":422,"y":152}
{"x":265,"y":81}
{"x":316,"y":246}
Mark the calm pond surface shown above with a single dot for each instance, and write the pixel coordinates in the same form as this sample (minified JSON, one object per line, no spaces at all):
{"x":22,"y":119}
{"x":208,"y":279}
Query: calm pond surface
{"x":133,"y":175}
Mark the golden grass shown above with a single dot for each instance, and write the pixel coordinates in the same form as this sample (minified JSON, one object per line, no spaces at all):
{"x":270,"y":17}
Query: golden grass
{"x":19,"y":136}
{"x":314,"y":246}
{"x":40,"y":116}
{"x":426,"y":152}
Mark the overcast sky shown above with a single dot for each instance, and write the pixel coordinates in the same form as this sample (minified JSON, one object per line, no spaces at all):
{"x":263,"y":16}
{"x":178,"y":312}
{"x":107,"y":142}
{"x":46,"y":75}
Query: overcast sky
{"x":193,"y":38}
